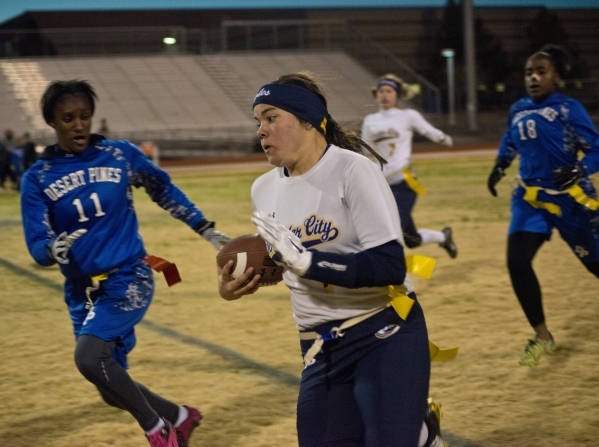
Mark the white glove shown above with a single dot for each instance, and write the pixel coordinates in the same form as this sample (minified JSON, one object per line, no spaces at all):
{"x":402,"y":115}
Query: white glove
{"x":446,"y":140}
{"x":60,"y":246}
{"x":216,"y":238}
{"x":206,"y":229}
{"x":286,"y":248}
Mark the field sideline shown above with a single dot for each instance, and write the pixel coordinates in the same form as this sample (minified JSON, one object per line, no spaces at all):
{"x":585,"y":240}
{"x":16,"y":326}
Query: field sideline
{"x":239,"y":361}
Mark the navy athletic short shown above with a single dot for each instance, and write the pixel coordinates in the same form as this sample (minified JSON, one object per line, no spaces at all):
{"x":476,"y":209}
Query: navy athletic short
{"x":368,"y":388}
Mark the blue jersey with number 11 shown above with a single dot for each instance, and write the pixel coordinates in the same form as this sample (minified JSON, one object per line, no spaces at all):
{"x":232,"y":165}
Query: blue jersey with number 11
{"x":549,"y":135}
{"x":92,"y":190}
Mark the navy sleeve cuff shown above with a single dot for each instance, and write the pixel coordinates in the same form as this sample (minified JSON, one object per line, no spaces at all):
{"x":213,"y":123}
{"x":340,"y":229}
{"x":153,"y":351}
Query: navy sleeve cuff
{"x":376,"y":267}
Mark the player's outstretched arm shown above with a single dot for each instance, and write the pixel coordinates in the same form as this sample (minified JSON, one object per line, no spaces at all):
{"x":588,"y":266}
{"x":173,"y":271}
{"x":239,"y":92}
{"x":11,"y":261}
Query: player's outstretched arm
{"x":423,"y":127}
{"x":232,"y":289}
{"x":446,"y":140}
{"x":206,"y":229}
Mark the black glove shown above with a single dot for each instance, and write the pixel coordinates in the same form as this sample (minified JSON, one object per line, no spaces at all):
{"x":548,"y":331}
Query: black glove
{"x":567,"y":176}
{"x":494,"y":178}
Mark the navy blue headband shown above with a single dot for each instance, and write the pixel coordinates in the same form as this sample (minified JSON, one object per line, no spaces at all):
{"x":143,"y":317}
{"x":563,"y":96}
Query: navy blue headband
{"x":390,"y":83}
{"x":296,"y":100}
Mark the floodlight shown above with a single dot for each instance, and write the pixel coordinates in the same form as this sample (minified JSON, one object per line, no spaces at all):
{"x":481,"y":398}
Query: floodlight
{"x":447,"y":52}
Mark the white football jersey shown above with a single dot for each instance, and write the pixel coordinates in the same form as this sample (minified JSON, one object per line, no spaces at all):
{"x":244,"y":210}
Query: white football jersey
{"x":342,"y":205}
{"x":391,"y":131}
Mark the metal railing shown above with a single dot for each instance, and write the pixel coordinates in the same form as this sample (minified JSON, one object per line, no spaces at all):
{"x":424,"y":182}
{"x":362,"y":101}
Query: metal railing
{"x":101,"y":41}
{"x":372,"y":54}
{"x":230,"y":36}
{"x":257,"y":35}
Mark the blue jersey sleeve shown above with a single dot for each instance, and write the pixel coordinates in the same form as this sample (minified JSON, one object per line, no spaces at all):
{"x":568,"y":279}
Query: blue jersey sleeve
{"x":584,"y":135}
{"x":161,"y":190}
{"x":507,"y":149}
{"x":36,"y":224}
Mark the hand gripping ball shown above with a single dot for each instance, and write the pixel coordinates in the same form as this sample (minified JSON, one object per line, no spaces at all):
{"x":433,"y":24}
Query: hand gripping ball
{"x":248,"y":251}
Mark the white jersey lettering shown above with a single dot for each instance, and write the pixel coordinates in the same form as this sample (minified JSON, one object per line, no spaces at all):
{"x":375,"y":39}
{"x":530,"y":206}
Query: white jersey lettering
{"x":104,"y":174}
{"x":63,"y":185}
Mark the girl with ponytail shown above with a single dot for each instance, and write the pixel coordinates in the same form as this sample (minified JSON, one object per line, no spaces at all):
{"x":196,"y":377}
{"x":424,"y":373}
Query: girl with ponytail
{"x":329,"y":218}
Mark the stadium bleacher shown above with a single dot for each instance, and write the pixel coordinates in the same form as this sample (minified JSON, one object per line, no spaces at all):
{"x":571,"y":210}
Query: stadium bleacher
{"x":162,"y":97}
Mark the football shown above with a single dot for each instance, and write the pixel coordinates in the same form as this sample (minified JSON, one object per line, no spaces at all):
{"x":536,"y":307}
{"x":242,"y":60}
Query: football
{"x":248,"y":251}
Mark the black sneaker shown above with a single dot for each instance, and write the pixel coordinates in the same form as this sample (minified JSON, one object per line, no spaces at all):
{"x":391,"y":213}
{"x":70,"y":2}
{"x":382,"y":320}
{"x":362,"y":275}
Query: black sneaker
{"x":432,"y":419}
{"x":449,"y":245}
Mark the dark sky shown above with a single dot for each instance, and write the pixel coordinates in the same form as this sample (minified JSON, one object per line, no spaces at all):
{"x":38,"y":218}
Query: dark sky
{"x":12,"y":8}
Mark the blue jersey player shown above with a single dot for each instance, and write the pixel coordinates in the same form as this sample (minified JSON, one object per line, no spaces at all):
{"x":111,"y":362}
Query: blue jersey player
{"x":77,"y":209}
{"x":558,"y":148}
{"x":332,"y":221}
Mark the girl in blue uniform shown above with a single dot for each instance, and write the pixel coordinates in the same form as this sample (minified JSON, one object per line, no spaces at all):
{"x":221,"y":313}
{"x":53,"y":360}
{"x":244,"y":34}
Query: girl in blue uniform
{"x":548,"y":131}
{"x":77,"y":209}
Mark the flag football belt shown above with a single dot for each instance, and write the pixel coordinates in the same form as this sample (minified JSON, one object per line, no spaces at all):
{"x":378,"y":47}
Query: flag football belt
{"x":411,"y":181}
{"x":168,"y":269}
{"x":402,"y":303}
{"x":531,"y":194}
{"x":96,"y":280}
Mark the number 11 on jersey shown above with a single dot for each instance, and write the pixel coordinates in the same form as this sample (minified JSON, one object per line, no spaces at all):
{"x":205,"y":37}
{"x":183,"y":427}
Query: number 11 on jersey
{"x":99,"y":212}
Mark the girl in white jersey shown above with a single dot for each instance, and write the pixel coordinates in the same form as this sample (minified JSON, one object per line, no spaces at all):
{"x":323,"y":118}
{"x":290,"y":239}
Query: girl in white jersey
{"x":331,"y":220}
{"x":391,"y":130}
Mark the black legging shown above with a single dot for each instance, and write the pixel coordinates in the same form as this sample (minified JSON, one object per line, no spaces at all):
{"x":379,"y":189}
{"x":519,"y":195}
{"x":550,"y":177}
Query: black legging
{"x":117,"y":388}
{"x":405,"y":197}
{"x":521,"y":249}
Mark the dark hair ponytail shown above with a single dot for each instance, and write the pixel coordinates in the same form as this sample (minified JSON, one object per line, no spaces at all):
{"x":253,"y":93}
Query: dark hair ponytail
{"x":558,"y":57}
{"x":334,"y":132}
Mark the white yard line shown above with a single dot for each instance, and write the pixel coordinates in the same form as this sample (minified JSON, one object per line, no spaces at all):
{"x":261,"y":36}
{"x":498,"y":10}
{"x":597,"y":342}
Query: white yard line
{"x":455,"y":154}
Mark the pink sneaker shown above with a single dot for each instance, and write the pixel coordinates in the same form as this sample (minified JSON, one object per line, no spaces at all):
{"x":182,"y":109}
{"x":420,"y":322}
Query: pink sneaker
{"x":164,"y":438}
{"x":188,"y":425}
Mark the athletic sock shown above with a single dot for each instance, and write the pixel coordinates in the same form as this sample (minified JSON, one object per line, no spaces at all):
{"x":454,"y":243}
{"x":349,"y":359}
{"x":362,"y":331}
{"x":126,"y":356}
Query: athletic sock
{"x":431,"y":236}
{"x":423,"y":435}
{"x":159,"y":426}
{"x":183,"y":415}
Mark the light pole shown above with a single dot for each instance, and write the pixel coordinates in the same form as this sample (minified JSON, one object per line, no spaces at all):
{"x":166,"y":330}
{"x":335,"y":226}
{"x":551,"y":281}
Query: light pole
{"x":470,"y":64}
{"x":448,"y":54}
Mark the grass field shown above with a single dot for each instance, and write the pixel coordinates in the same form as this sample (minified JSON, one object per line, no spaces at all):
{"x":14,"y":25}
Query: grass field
{"x":239,"y":361}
